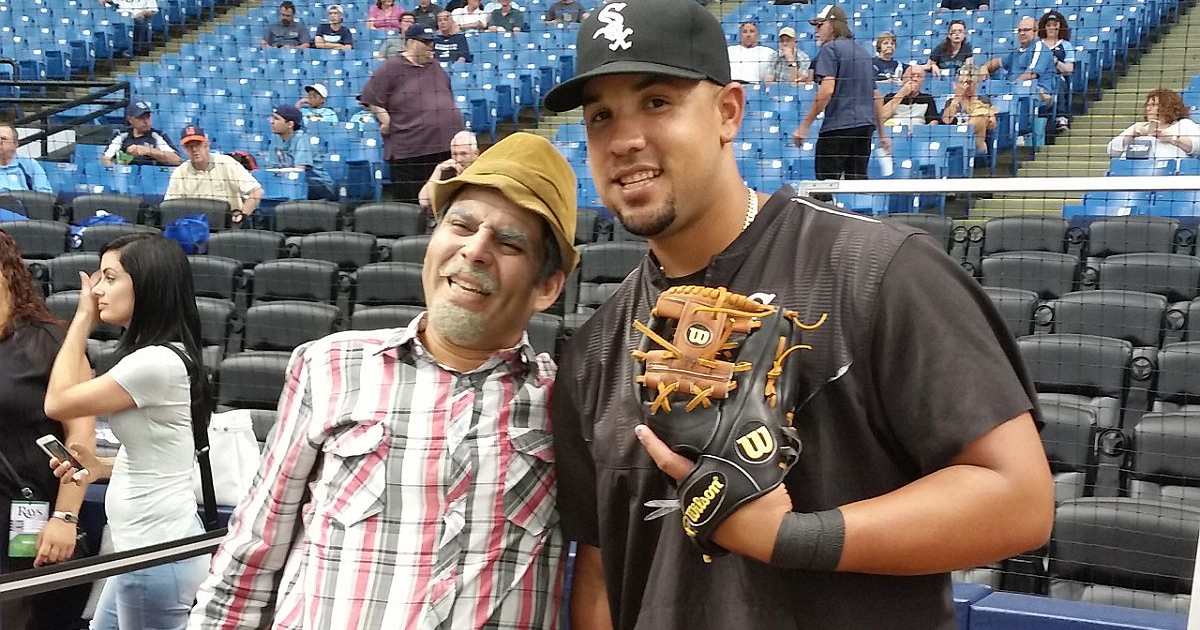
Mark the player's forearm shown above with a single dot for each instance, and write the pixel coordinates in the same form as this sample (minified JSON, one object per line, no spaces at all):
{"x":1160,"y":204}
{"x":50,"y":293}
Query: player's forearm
{"x":959,"y":517}
{"x":589,"y":599}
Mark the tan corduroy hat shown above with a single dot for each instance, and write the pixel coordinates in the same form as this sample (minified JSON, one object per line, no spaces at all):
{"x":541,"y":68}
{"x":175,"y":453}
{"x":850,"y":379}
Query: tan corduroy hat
{"x":532,"y":174}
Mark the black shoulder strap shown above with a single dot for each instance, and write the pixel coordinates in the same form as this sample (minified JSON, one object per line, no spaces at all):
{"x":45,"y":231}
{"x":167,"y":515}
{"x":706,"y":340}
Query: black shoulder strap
{"x":15,"y":477}
{"x":200,"y":437}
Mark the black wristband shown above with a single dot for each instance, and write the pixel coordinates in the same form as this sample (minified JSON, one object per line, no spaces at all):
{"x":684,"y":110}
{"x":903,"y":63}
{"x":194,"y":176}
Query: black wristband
{"x":810,"y":540}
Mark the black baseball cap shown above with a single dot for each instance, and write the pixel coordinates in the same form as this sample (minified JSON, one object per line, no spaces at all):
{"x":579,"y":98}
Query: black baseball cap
{"x":674,"y":38}
{"x":421,"y":33}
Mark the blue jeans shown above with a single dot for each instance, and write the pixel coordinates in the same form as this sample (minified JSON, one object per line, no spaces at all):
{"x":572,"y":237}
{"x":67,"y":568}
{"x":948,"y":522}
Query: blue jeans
{"x":155,"y":598}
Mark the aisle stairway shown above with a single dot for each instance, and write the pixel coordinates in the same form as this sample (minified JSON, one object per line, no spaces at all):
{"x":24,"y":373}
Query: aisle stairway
{"x":1081,"y":151}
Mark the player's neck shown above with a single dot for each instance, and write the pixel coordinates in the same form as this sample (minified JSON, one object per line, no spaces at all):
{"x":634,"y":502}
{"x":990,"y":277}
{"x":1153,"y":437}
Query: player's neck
{"x":692,"y":248}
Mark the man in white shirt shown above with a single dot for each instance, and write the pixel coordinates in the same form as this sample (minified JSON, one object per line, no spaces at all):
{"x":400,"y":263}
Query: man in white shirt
{"x":208,"y":175}
{"x":749,"y":62}
{"x":471,"y":17}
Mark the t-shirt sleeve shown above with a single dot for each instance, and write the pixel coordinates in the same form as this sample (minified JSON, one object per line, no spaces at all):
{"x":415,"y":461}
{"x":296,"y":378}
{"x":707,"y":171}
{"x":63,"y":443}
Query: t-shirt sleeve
{"x":825,"y":65}
{"x":114,"y":145}
{"x":41,"y":183}
{"x":162,"y":143}
{"x":577,"y":497}
{"x":245,"y":180}
{"x":931,"y":109}
{"x":948,"y":369}
{"x":347,"y":36}
{"x":305,"y":34}
{"x":378,"y":87}
{"x":302,"y":153}
{"x":173,"y":185}
{"x":149,"y":375}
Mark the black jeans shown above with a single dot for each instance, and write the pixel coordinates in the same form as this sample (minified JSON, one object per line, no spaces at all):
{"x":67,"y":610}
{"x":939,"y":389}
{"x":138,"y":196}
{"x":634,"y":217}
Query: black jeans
{"x":843,"y":154}
{"x":410,"y":174}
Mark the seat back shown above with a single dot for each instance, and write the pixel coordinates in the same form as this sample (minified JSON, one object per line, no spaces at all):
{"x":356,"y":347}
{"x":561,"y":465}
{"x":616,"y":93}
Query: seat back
{"x":1176,"y":276}
{"x":295,"y":279}
{"x":1048,"y":274}
{"x":64,"y":270}
{"x":283,"y":325}
{"x":1130,"y":315}
{"x":38,"y":205}
{"x":217,"y":212}
{"x":252,"y":380}
{"x":390,"y":219}
{"x":1012,"y":234}
{"x":94,"y":238}
{"x":296,"y":218}
{"x":383,"y":283}
{"x":1016,"y":308}
{"x":377,"y":317}
{"x":410,"y":249}
{"x":249,"y":247}
{"x":38,"y":240}
{"x":1178,"y":384}
{"x":215,"y":276}
{"x":129,"y":207}
{"x":1132,"y":234}
{"x":349,"y":250}
{"x":1077,"y":364}
{"x":938,"y":226}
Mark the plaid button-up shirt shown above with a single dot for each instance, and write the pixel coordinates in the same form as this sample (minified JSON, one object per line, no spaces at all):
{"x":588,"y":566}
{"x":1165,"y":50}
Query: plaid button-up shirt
{"x":397,"y":493}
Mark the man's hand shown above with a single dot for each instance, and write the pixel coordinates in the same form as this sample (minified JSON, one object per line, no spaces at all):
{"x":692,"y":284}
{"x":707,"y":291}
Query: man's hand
{"x":750,"y":530}
{"x":56,"y":542}
{"x":136,"y":150}
{"x":800,"y":134}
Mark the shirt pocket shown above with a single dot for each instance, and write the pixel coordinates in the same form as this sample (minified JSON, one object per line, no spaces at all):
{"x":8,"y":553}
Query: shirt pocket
{"x":354,"y":479}
{"x":529,"y":485}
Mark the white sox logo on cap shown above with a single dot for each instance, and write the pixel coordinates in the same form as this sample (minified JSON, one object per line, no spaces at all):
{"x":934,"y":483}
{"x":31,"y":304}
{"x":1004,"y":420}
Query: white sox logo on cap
{"x":614,"y":29}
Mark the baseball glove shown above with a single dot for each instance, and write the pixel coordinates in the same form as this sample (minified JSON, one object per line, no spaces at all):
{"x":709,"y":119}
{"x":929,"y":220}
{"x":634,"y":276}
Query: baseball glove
{"x":714,"y":389}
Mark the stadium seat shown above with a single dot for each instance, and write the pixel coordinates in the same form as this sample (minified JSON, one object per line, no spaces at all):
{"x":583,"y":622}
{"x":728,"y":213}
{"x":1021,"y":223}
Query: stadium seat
{"x":250,"y":247}
{"x":216,"y":325}
{"x":1162,"y":463}
{"x":1131,"y":235}
{"x":938,"y":226}
{"x":1011,"y":234}
{"x":252,"y":380}
{"x":216,"y":276}
{"x":281,"y":326}
{"x":349,"y":250}
{"x":38,"y":205}
{"x":602,"y":267}
{"x":1048,"y":274}
{"x":296,"y":279}
{"x":587,"y":226}
{"x":64,"y":303}
{"x":390,"y":220}
{"x":410,"y":249}
{"x":97,"y":236}
{"x":1016,"y":308}
{"x":390,"y":316}
{"x":1175,"y":276}
{"x":296,"y":218}
{"x":38,"y":240}
{"x":1121,"y":167}
{"x":1130,"y":315}
{"x":63,"y":270}
{"x":217,"y":212}
{"x":1081,"y":370}
{"x":129,"y":207}
{"x":389,"y":283}
{"x":1178,"y":384}
{"x":544,"y":331}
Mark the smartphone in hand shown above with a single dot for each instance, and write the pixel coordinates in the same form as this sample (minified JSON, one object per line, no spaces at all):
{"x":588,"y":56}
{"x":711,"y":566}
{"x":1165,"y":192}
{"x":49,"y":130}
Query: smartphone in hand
{"x":56,"y":449}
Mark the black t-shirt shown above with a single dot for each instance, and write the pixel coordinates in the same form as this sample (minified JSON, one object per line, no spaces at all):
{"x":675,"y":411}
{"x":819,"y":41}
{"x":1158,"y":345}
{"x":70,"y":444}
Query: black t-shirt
{"x":945,"y":61}
{"x":330,"y":36}
{"x":963,"y":5}
{"x":917,"y":107}
{"x":912,"y":364}
{"x":26,"y":356}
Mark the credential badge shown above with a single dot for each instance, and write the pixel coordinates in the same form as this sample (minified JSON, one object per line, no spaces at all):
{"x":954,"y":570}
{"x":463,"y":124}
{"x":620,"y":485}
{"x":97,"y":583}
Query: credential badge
{"x":614,"y":29}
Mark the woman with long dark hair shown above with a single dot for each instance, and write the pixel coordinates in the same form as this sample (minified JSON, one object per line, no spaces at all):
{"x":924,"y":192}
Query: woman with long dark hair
{"x":953,"y":52}
{"x":30,"y":337}
{"x":1055,"y":33}
{"x":145,"y":286}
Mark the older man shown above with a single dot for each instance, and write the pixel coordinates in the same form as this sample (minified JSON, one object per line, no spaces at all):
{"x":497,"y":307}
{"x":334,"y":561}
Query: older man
{"x":464,"y":150}
{"x":288,"y":32}
{"x":411,"y":98}
{"x":910,"y":106}
{"x":410,"y":479}
{"x":208,"y":175}
{"x":140,"y":143}
{"x":1029,"y":60}
{"x":450,"y":46}
{"x":19,"y":173}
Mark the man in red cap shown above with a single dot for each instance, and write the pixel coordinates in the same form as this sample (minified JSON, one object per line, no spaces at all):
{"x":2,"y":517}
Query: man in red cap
{"x":208,"y":175}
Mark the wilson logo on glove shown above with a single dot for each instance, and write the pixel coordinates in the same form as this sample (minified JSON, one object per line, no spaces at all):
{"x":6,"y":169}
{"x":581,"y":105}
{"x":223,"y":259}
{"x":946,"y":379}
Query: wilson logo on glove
{"x":717,"y":389}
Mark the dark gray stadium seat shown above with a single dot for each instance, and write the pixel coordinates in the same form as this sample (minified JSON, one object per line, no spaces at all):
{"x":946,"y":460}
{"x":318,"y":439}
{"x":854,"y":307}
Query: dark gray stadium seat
{"x":1130,"y":315}
{"x":1182,"y":322}
{"x":376,"y":317}
{"x":63,"y":305}
{"x":1176,"y":276}
{"x":622,"y":235}
{"x":216,"y":325}
{"x":216,"y":276}
{"x":1069,"y":435}
{"x":390,"y":219}
{"x":383,"y":283}
{"x":1178,"y":384}
{"x":296,"y":279}
{"x":410,"y":249}
{"x":1164,"y":464}
{"x":938,"y":226}
{"x":250,"y":247}
{"x":129,"y":207}
{"x":217,"y":212}
{"x":1124,"y":552}
{"x":1016,"y":308}
{"x":1131,"y":235}
{"x":40,"y":206}
{"x":1048,"y":274}
{"x":349,"y":250}
{"x":544,"y":331}
{"x":602,"y":267}
{"x":1080,"y":370}
{"x":286,"y":324}
{"x":63,"y":270}
{"x":38,"y":240}
{"x":96,"y":237}
{"x":1029,"y":234}
{"x":297,"y":218}
{"x":586,"y":226}
{"x":252,"y":380}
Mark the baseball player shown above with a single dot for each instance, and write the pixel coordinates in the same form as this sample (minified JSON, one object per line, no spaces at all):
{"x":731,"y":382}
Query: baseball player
{"x":918,"y":448}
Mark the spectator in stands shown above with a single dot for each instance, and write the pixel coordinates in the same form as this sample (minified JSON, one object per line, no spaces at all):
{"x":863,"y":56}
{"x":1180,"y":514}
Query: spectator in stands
{"x":471,"y":17}
{"x":789,"y":64}
{"x":963,"y":5}
{"x":464,"y":149}
{"x":142,"y":12}
{"x":954,"y":51}
{"x":1056,"y":35}
{"x":208,"y":175}
{"x":492,"y":5}
{"x":748,"y":61}
{"x":910,"y":106}
{"x":30,"y":337}
{"x":454,"y":453}
{"x":450,"y":45}
{"x":288,"y":32}
{"x":1167,"y":132}
{"x":19,"y":173}
{"x":144,"y":286}
{"x":967,"y":108}
{"x":334,"y":34}
{"x":565,"y":12}
{"x":1030,"y":60}
{"x":507,"y":17}
{"x":886,"y":67}
{"x":140,"y":143}
{"x":393,"y":46}
{"x":385,"y":15}
{"x":411,"y":98}
{"x":847,"y":96}
{"x":292,"y":150}
{"x":426,"y":12}
{"x":312,"y":104}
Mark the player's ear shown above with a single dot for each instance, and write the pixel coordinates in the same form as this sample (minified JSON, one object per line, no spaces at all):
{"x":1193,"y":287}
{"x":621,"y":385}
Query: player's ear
{"x":731,"y":106}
